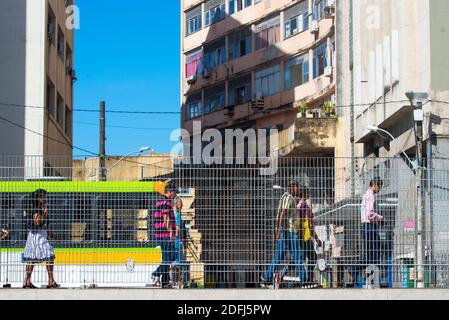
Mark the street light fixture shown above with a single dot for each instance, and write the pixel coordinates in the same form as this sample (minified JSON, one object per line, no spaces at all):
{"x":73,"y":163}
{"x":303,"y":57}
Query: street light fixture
{"x":141,"y":150}
{"x":376,"y":129}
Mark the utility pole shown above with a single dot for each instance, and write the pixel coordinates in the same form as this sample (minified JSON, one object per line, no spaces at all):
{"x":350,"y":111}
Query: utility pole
{"x":102,"y":173}
{"x":418,"y":117}
{"x":420,"y":206}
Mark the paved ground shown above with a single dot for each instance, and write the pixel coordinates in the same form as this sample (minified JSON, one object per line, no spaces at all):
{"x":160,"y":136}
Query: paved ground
{"x":229,"y":294}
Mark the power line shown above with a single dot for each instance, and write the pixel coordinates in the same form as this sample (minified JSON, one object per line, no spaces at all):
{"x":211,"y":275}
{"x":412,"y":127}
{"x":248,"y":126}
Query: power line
{"x":123,"y":127}
{"x":95,"y":111}
{"x":45,"y":136}
{"x":71,"y":145}
{"x":128,"y":112}
{"x":178,"y":112}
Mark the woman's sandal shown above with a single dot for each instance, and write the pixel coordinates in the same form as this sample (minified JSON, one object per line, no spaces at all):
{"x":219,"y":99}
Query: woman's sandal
{"x":53,"y":286}
{"x":29,"y":286}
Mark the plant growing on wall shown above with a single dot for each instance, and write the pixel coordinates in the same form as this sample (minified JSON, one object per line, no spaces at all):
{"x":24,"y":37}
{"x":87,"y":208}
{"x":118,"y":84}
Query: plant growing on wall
{"x":329,"y":108}
{"x":302,"y":108}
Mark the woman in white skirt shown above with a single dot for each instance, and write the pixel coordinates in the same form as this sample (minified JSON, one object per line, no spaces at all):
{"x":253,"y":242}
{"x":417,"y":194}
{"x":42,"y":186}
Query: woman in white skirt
{"x":38,"y":249}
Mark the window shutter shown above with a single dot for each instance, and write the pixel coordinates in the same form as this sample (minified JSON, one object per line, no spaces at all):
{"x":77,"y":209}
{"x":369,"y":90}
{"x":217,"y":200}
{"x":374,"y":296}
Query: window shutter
{"x":296,"y":10}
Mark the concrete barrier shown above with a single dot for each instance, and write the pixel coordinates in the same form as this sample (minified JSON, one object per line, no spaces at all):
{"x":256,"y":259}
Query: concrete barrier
{"x":227,"y":294}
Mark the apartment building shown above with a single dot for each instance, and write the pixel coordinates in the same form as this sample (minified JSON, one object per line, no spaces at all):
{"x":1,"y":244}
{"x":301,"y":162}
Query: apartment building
{"x":36,"y":86}
{"x":255,"y":64}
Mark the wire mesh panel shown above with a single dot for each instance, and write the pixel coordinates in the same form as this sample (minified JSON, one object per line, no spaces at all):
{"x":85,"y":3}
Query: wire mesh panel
{"x":163,"y":222}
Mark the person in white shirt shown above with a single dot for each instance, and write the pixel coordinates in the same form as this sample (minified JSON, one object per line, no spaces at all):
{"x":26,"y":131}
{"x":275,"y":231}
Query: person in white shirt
{"x":370,"y":220}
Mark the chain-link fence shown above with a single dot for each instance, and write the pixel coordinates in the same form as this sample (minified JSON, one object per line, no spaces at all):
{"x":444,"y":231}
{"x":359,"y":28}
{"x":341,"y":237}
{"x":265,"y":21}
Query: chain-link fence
{"x":312,"y":222}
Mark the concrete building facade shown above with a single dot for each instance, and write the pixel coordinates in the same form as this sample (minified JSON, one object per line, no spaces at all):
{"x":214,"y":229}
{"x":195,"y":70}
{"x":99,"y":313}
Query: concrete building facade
{"x":37,"y":71}
{"x":397,"y":47}
{"x":253,"y":63}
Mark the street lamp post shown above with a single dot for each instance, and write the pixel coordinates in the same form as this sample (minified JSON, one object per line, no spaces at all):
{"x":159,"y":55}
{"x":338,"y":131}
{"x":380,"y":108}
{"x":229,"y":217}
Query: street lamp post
{"x":141,"y":150}
{"x":418,"y":116}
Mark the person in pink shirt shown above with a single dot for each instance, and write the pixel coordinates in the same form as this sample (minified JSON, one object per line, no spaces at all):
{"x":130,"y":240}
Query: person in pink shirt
{"x":370,"y":220}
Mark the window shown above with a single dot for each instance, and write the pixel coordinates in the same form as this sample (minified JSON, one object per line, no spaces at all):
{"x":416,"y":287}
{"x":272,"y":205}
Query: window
{"x":319,"y":60}
{"x":60,"y":111}
{"x":51,"y":26}
{"x":214,"y":55}
{"x":193,"y":20}
{"x":193,"y":63}
{"x":319,"y":10}
{"x":61,"y":43}
{"x":239,"y":44}
{"x":193,"y":110}
{"x":268,"y":33}
{"x":296,"y":71}
{"x":238,"y":5}
{"x":68,"y":122}
{"x":51,"y":98}
{"x":193,"y":107}
{"x":296,"y":19}
{"x":268,"y":81}
{"x":215,"y":10}
{"x":214,"y":98}
{"x":239,"y":91}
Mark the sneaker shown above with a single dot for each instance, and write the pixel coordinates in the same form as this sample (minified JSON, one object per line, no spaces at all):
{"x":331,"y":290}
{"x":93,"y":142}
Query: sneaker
{"x":156,"y":282}
{"x":168,"y":286}
{"x":264,"y":283}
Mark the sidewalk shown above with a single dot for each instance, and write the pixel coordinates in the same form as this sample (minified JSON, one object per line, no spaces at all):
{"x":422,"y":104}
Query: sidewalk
{"x":228,"y":294}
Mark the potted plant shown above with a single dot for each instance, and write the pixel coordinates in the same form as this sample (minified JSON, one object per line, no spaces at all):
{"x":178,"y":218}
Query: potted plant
{"x":329,"y":108}
{"x":302,"y":108}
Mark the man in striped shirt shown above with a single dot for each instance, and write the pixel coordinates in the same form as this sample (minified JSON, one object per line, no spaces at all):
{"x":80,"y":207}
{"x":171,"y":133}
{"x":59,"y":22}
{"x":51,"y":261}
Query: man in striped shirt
{"x":164,"y":225}
{"x":286,"y":236}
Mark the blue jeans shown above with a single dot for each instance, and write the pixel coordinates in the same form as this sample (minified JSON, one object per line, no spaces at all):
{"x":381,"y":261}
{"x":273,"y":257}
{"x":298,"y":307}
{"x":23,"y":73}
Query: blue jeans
{"x":168,"y":256}
{"x":179,"y":252}
{"x":289,"y":242}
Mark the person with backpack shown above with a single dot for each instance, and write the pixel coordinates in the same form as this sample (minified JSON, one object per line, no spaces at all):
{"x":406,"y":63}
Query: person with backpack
{"x":307,"y":233}
{"x":38,"y":249}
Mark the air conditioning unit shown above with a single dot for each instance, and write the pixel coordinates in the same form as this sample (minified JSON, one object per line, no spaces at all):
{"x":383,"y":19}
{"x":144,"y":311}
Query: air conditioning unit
{"x":192,"y":79}
{"x":328,"y":71}
{"x":329,"y":9}
{"x":207,"y":74}
{"x":259,"y":103}
{"x":314,"y":27}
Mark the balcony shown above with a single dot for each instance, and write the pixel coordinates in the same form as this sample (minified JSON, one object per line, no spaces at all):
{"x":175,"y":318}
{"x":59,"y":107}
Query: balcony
{"x":309,"y":136}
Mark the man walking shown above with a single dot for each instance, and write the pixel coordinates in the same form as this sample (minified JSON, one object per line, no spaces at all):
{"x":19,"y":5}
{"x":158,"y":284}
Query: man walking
{"x":165,"y":226}
{"x":371,"y":220}
{"x":286,"y":235}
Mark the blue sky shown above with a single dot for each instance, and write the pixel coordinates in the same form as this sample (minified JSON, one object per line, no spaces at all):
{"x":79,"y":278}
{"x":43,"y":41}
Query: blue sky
{"x":127,"y":53}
